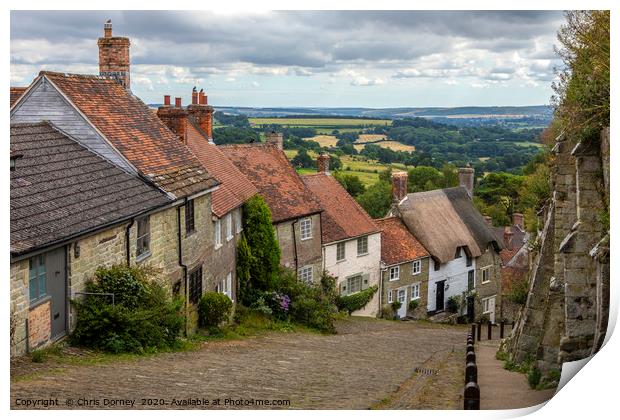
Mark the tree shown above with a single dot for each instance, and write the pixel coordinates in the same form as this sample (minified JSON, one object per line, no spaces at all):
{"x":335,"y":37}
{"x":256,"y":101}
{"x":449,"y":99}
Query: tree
{"x":264,"y":259}
{"x":303,"y":160}
{"x":500,"y":189}
{"x":352,"y":183}
{"x":581,"y":97}
{"x":377,"y":199}
{"x":244,"y":264}
{"x":424,"y":178}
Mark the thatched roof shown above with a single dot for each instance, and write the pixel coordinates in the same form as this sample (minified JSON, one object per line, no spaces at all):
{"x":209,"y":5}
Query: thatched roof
{"x":443,"y":220}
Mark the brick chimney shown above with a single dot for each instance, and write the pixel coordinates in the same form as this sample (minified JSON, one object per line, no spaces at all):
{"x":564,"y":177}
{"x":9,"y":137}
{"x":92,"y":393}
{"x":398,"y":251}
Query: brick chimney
{"x":114,"y":56}
{"x":399,"y":186}
{"x":517,"y":220}
{"x":276,"y":139}
{"x":201,"y":114}
{"x":508,"y":237}
{"x":174,"y":117}
{"x":322,"y":163}
{"x":466,"y":179}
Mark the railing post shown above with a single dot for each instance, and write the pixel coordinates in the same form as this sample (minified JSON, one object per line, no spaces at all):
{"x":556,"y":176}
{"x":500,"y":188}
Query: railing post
{"x":470,"y":357}
{"x":479,"y":331}
{"x":473,"y":332}
{"x":501,"y":329}
{"x":489,"y":330}
{"x":471,"y":400}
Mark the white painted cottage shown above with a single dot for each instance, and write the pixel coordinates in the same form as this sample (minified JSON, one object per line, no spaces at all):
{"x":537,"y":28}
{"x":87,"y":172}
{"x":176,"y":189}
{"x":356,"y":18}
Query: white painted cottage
{"x":350,"y":238}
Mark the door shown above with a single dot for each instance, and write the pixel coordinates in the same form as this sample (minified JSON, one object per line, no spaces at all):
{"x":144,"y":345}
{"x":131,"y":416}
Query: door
{"x":402,"y":298}
{"x":57,"y":288}
{"x":470,"y":309}
{"x":439,"y":294}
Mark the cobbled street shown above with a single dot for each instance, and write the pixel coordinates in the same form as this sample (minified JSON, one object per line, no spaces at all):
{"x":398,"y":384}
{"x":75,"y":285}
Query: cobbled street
{"x":367,"y":364}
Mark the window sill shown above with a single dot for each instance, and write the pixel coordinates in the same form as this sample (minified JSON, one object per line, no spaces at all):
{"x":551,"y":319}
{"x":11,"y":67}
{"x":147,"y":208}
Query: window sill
{"x":362,"y":255}
{"x":190,"y":233}
{"x":416,"y":274}
{"x":39,"y":301}
{"x":217,"y":246}
{"x":416,"y":298}
{"x":142,"y":257}
{"x":305,"y":239}
{"x":341,"y":261}
{"x":486,"y":282}
{"x":395,"y":279}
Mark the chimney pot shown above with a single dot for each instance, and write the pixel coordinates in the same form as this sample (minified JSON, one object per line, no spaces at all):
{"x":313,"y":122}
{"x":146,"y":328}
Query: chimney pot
{"x":194,"y":97}
{"x":399,"y":186}
{"x":322,"y":163}
{"x":107,"y":29}
{"x":114,"y":60}
{"x":508,"y":237}
{"x":166,"y":100}
{"x":466,"y":180}
{"x":202,"y":98}
{"x":177,"y":102}
{"x":517,"y":220}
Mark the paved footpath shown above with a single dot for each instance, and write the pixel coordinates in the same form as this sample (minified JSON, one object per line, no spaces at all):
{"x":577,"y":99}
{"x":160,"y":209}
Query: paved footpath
{"x":500,"y":388}
{"x":357,"y":368}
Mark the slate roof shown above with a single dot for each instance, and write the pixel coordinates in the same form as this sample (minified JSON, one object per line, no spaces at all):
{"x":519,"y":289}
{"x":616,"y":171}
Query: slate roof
{"x":137,"y":133}
{"x":398,"y":245}
{"x":59,"y":189}
{"x":342,"y":217}
{"x":16,"y":93}
{"x":443,"y":220}
{"x":269,"y":170}
{"x":235,"y":188}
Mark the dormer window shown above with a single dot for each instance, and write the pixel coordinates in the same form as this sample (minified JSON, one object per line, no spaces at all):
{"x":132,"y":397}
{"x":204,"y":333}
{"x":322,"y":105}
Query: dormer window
{"x":14,"y":157}
{"x":458,"y":253}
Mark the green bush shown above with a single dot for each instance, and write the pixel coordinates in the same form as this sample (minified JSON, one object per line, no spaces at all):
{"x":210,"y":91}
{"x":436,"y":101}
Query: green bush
{"x":518,"y":292}
{"x":213,"y":309}
{"x":454,"y":304}
{"x":356,"y":301}
{"x":396,"y":306}
{"x":533,"y":377}
{"x":413,"y":305}
{"x":387,"y":312}
{"x":148,"y":321}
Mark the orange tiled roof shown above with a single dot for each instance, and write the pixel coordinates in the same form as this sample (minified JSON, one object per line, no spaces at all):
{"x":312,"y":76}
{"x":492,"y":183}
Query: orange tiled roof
{"x":342,"y":217}
{"x":235,"y":188}
{"x":135,"y":132}
{"x":398,"y":245}
{"x":269,"y":170}
{"x":16,"y":93}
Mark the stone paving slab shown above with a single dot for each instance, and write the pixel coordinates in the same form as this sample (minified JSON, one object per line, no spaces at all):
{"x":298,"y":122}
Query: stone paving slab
{"x":354,"y":369}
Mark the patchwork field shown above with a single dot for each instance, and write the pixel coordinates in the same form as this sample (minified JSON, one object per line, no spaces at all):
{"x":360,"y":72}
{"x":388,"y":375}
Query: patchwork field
{"x":388,"y":144}
{"x":324,"y":140}
{"x":321,"y":122}
{"x":365,"y":138}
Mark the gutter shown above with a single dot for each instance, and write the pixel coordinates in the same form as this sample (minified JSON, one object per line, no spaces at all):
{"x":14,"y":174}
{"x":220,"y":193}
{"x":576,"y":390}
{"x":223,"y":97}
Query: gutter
{"x":127,"y":246}
{"x":180,"y":262}
{"x":295,"y":247}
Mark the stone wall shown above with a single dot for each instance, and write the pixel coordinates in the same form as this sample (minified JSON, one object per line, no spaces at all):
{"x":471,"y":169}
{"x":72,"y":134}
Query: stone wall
{"x":308,"y":251}
{"x":407,"y":278}
{"x":19,"y":306}
{"x":493,"y":287}
{"x":566,"y":313}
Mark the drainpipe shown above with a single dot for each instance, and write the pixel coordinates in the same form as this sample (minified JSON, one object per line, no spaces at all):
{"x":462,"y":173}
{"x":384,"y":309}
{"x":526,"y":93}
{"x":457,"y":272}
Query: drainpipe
{"x":127,"y":250}
{"x":295,"y":247}
{"x":183,"y":266}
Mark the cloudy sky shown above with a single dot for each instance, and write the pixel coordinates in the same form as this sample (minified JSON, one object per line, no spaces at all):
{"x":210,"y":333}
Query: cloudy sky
{"x":348,"y":58}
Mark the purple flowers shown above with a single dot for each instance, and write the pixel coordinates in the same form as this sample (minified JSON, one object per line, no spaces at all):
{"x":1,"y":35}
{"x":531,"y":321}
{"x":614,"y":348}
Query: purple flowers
{"x":282,"y":300}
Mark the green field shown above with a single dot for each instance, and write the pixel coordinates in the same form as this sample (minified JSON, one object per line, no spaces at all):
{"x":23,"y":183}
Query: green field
{"x":319,"y":122}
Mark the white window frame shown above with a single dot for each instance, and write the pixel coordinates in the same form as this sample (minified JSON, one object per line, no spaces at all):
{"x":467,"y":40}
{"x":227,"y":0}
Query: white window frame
{"x":217,"y":229}
{"x":145,"y":238}
{"x":486,"y":302}
{"x":361,"y":240}
{"x":239,"y":221}
{"x":342,"y":245}
{"x":349,"y":283}
{"x":485,"y":272}
{"x":225,"y":286}
{"x":306,"y":274}
{"x":413,"y":267}
{"x":390,"y":296}
{"x":229,"y":230}
{"x":395,"y":273}
{"x":305,"y":229}
{"x":415,"y":291}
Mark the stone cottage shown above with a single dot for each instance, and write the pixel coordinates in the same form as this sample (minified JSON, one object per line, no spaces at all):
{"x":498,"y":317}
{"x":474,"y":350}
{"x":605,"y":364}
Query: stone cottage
{"x":463,"y":247}
{"x":351,"y":240}
{"x":295,"y":211}
{"x":104,"y":117}
{"x":404,"y":269}
{"x":70,"y":212}
{"x":193,"y":126}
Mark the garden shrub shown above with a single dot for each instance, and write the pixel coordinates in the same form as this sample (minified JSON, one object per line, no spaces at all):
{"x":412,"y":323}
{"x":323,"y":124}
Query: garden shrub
{"x":387,"y":312}
{"x":454,"y":304}
{"x":533,"y":377}
{"x":213,"y":309}
{"x":396,"y":306}
{"x":518,"y":292}
{"x":413,"y":305}
{"x":356,"y":301}
{"x":143,"y":317}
